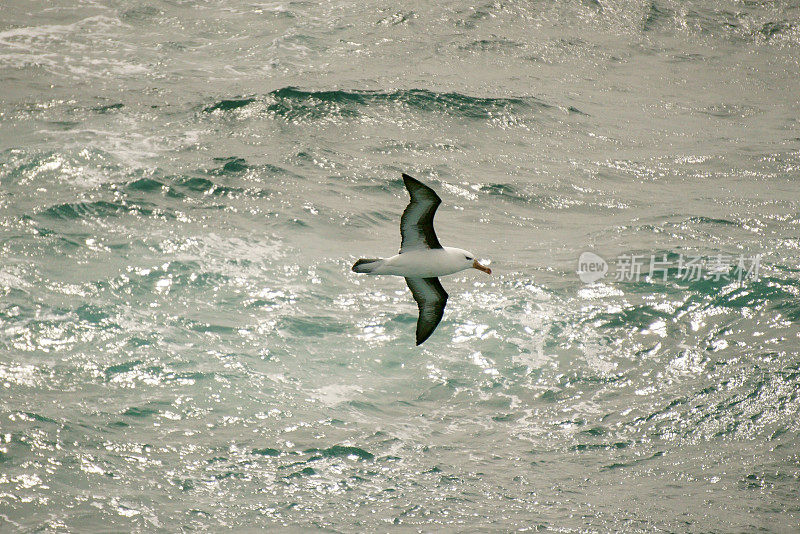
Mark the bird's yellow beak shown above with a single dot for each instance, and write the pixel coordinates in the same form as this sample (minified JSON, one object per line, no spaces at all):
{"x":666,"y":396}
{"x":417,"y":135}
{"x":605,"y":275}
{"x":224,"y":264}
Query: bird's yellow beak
{"x":480,"y":267}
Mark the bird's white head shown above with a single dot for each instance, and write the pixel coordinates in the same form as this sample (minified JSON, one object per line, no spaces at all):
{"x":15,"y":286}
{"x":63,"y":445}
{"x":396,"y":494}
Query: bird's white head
{"x":471,"y":263}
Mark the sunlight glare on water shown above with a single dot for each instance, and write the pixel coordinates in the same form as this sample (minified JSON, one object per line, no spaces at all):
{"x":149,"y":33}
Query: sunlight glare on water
{"x":183,"y":345}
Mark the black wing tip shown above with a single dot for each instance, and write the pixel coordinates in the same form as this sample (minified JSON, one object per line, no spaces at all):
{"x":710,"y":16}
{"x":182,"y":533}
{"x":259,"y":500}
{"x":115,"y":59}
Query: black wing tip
{"x":410,"y":180}
{"x":421,"y":339}
{"x":415,"y":187}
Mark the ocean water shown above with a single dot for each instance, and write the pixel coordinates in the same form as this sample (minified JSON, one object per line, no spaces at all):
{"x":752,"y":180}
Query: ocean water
{"x":185,"y":184}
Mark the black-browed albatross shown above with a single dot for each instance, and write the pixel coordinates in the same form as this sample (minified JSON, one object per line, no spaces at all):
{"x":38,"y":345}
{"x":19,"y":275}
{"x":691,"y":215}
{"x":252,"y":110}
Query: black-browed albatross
{"x":422,"y":259}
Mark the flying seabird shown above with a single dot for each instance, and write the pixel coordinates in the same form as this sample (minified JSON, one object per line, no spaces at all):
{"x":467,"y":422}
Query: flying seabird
{"x":422,"y":259}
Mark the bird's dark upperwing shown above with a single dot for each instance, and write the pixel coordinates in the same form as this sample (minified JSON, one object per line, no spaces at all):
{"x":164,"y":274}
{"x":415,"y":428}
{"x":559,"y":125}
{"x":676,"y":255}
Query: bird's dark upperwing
{"x":416,"y":225}
{"x":431,"y":299}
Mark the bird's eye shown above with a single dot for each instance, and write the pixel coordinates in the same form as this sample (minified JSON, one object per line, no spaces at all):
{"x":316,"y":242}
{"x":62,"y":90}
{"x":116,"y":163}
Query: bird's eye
{"x":468,"y":257}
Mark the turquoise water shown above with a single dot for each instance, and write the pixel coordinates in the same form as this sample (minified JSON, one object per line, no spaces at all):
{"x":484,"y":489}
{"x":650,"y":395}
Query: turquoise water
{"x":184,"y":186}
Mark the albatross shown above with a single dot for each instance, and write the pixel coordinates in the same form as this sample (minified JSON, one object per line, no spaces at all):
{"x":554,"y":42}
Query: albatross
{"x":422,"y":259}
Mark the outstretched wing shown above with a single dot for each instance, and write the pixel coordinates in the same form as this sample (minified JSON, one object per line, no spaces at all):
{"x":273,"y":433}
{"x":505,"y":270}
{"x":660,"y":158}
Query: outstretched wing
{"x":416,"y":225}
{"x":431,"y":299}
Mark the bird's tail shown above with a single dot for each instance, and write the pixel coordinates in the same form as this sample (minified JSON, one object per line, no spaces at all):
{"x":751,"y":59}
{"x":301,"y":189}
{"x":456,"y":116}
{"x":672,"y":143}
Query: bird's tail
{"x":367,"y":265}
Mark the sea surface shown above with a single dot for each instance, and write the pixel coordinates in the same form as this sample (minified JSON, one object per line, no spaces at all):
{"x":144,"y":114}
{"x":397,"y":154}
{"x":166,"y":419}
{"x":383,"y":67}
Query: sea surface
{"x":185,"y":184}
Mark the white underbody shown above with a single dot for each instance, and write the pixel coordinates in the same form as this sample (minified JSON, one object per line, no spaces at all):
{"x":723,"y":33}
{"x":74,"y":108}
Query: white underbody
{"x":425,"y":263}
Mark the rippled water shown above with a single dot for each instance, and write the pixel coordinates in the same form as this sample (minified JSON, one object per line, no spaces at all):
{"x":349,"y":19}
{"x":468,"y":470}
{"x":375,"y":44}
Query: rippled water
{"x":186,"y":184}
